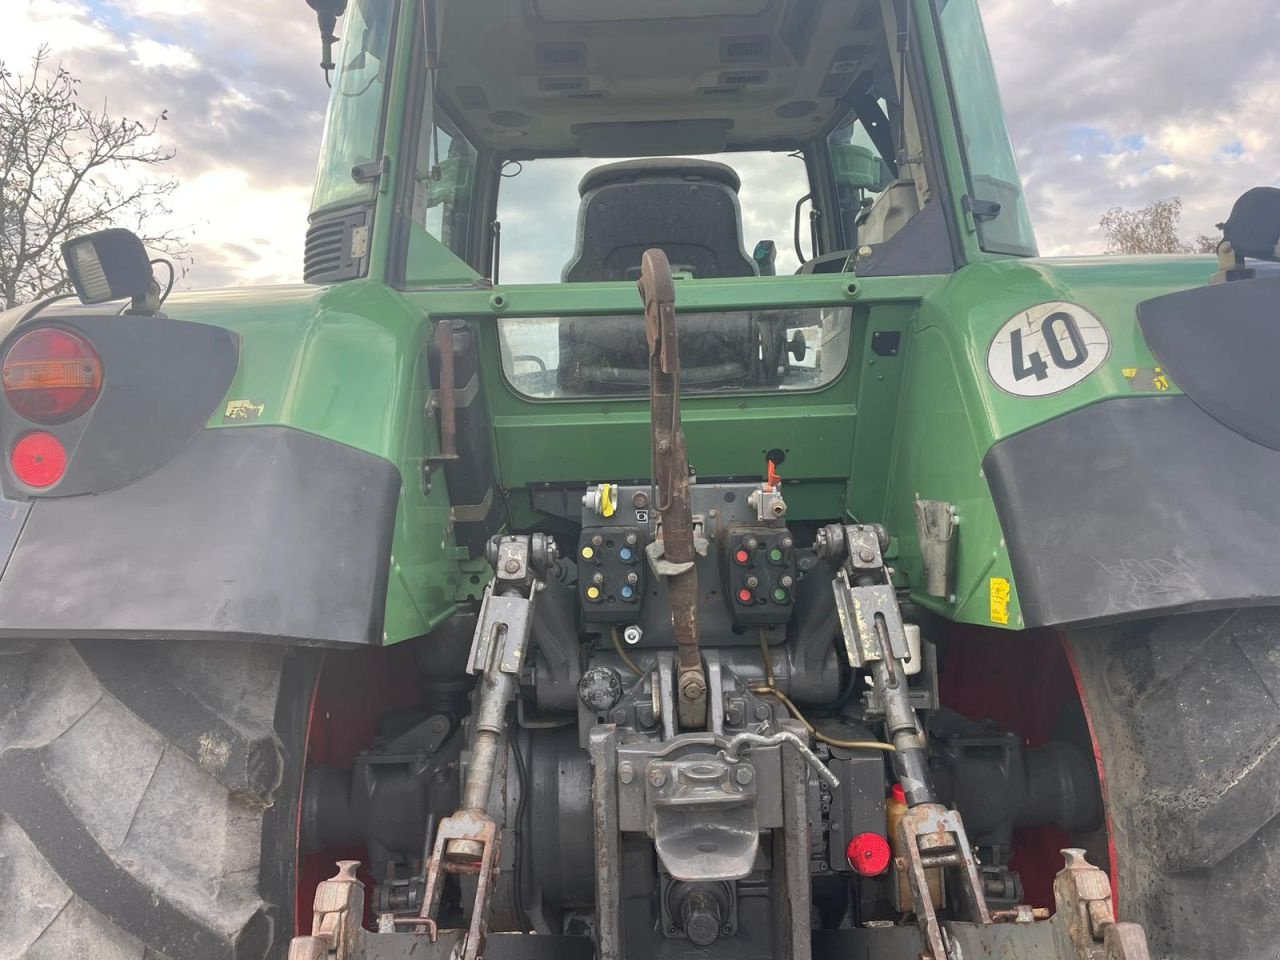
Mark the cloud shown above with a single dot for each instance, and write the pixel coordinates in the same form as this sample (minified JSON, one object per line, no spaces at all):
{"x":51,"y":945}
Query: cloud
{"x":1177,"y":98}
{"x":245,"y":103}
{"x":151,"y":54}
{"x":1110,"y":102}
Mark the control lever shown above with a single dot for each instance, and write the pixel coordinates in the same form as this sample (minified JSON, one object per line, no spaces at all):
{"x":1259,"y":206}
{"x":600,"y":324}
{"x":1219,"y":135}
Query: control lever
{"x":875,"y":640}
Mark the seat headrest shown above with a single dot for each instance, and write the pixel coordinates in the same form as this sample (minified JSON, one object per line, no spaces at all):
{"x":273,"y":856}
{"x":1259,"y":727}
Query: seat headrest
{"x":676,"y":168}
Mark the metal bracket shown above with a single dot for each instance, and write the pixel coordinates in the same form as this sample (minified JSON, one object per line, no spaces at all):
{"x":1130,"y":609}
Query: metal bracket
{"x":656,"y":553}
{"x":1082,"y":892}
{"x":472,"y":512}
{"x":864,"y":612}
{"x":932,"y":836}
{"x":936,"y":523}
{"x":335,"y":924}
{"x":502,"y":636}
{"x":475,"y":830}
{"x":462,"y":396}
{"x":662,"y":567}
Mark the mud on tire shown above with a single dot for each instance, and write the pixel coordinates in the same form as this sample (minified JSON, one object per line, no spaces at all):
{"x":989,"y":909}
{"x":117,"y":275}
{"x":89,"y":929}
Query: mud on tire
{"x":1186,"y":712}
{"x":148,"y":798}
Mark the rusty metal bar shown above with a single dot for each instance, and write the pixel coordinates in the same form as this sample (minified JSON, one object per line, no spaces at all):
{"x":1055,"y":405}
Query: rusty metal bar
{"x":671,"y":479}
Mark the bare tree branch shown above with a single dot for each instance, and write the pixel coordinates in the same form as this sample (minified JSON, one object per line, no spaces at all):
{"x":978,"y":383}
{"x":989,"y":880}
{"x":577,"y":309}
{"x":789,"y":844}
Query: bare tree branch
{"x":1153,"y":229}
{"x":66,"y":170}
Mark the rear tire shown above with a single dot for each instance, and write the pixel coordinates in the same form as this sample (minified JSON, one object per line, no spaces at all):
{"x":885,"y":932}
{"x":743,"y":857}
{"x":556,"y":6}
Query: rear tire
{"x":148,"y":798}
{"x":1186,"y":714}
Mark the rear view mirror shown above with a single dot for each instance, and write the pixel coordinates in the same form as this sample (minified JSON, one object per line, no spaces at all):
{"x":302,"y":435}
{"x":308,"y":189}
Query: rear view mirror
{"x":858,"y":168}
{"x":108,"y":265}
{"x":1253,"y":229}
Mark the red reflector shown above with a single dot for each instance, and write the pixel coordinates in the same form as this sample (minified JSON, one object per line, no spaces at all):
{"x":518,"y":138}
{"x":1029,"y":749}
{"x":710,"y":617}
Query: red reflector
{"x":868,"y":854}
{"x":39,"y":460}
{"x":52,"y":375}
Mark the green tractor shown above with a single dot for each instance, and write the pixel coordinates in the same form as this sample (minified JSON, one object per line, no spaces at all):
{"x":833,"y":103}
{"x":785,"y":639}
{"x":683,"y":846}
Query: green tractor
{"x":914,"y":599}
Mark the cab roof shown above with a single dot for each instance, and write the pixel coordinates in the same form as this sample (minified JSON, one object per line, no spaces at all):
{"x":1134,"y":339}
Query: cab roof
{"x":610,"y":78}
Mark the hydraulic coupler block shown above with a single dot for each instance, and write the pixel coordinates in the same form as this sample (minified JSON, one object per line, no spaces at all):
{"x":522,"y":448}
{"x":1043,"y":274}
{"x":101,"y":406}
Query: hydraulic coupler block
{"x":761,"y":574}
{"x":611,"y":573}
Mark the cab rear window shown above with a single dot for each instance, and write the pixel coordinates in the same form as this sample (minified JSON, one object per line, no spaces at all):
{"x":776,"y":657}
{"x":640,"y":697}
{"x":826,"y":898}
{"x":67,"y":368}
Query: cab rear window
{"x":745,"y":351}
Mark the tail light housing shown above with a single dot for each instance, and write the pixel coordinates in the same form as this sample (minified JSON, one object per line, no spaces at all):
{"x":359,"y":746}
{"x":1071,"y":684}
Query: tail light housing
{"x":52,"y":375}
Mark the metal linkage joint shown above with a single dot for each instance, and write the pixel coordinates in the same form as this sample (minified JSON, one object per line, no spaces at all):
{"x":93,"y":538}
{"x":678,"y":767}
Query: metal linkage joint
{"x":933,"y":836}
{"x":472,"y":831}
{"x":467,"y":842}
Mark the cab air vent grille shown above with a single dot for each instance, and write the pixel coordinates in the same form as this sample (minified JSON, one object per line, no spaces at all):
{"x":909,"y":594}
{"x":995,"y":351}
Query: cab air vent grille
{"x":336,"y":247}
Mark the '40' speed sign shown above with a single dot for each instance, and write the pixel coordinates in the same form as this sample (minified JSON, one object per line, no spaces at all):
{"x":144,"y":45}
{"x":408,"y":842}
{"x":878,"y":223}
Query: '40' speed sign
{"x":1047,"y":349}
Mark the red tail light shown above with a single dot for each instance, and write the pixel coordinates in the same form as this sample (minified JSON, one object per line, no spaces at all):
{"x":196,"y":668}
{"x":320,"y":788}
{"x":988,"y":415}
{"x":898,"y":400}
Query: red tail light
{"x":52,"y":375}
{"x":39,"y":459}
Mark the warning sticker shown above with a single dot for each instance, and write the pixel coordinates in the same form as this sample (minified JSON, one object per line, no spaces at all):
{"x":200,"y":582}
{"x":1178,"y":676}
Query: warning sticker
{"x":1147,"y":379}
{"x":242,"y":411}
{"x":999,"y":600}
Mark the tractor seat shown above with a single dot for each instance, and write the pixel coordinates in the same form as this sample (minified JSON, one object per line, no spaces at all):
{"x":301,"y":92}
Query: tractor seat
{"x":687,"y":208}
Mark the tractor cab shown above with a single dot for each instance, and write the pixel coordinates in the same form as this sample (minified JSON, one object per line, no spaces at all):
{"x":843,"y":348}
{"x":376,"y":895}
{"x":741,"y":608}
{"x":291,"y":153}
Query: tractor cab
{"x":756,"y":138}
{"x":553,"y":142}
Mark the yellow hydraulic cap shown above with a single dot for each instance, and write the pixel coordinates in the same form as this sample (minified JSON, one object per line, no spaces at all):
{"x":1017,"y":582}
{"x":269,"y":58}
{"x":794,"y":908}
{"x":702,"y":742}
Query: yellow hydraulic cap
{"x":588,"y":553}
{"x":593,"y":593}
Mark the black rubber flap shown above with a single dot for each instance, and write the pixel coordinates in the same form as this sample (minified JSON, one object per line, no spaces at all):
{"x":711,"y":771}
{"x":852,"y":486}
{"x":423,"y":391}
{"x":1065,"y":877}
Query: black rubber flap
{"x":1220,"y":343}
{"x":1135,"y":507}
{"x":246,"y":533}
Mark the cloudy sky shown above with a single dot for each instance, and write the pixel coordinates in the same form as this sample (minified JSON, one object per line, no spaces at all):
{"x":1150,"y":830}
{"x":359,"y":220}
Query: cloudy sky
{"x":1110,"y":103}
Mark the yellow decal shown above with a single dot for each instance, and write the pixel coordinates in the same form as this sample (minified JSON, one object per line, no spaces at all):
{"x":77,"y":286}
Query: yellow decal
{"x":1141,"y":379}
{"x":240,"y":410}
{"x":999,"y":600}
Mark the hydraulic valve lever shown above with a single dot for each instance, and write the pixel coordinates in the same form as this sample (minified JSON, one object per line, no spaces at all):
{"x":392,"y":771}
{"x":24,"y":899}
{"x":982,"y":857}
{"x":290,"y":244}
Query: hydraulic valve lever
{"x":671,"y":480}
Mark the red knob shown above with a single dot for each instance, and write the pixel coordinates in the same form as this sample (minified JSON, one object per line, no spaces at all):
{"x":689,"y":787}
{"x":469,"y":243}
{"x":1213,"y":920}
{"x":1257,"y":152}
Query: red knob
{"x":868,"y":854}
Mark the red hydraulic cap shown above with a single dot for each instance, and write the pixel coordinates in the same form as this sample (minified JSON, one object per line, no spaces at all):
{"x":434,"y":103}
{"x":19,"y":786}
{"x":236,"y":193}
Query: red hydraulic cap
{"x":899,"y":794}
{"x":746,"y":596}
{"x":742,"y":556}
{"x":868,"y":854}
